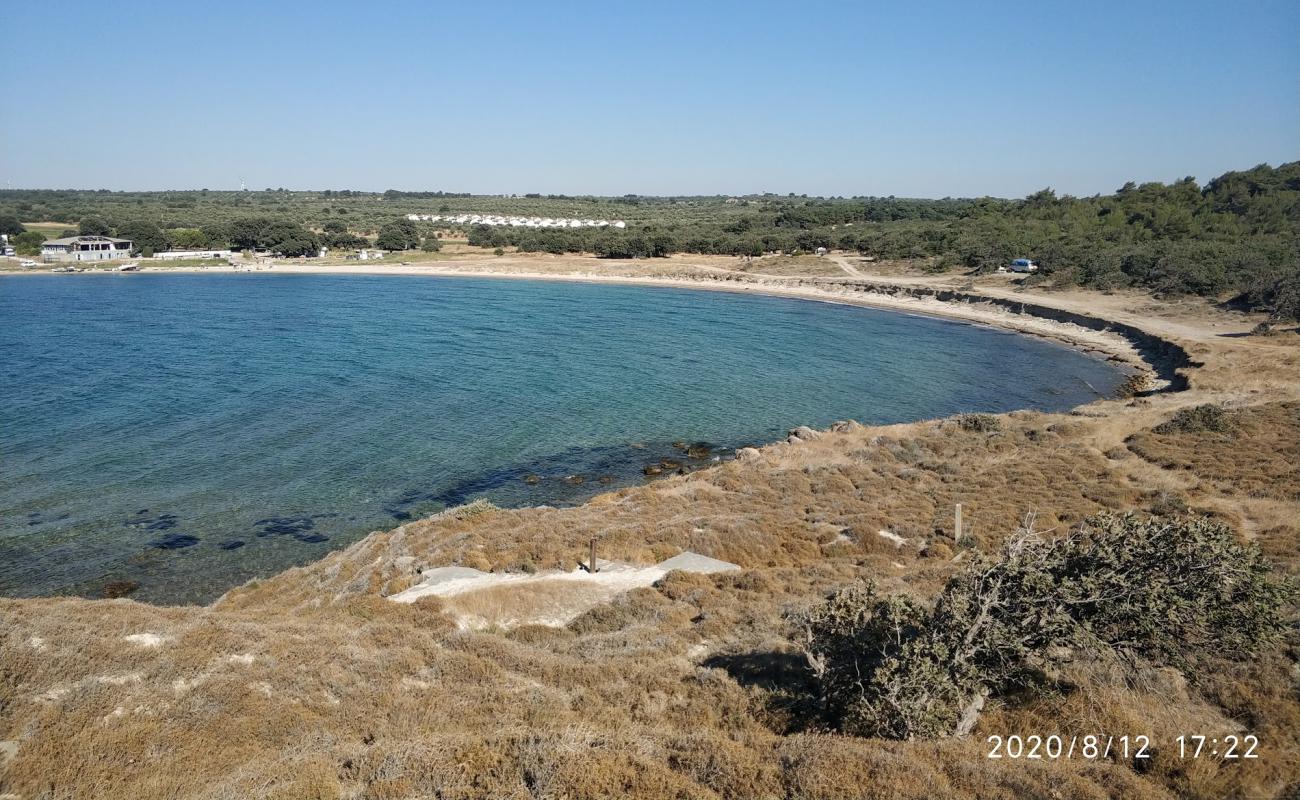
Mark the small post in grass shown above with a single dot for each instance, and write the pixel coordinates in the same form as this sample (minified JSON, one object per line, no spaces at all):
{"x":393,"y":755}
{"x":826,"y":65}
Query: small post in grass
{"x":956,"y":529}
{"x":591,"y":561}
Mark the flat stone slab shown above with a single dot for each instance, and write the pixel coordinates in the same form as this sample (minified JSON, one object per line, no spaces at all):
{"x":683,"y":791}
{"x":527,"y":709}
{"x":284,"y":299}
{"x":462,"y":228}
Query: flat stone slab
{"x":687,"y":561}
{"x":437,"y":575}
{"x":578,"y":589}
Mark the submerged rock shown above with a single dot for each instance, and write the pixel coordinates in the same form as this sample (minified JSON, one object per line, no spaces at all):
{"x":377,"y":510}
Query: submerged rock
{"x":532,"y":480}
{"x":699,"y":450}
{"x":652,"y":469}
{"x":114,"y":589}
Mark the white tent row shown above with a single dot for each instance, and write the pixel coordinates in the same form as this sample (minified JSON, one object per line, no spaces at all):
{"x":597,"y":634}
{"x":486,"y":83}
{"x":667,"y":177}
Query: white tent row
{"x":517,"y":222}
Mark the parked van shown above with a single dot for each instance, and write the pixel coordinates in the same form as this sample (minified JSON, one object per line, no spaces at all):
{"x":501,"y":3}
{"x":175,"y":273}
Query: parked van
{"x":1024,"y":265}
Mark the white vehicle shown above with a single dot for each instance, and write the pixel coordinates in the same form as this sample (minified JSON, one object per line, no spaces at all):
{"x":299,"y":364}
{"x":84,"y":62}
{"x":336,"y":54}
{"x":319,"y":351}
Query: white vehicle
{"x":1023,"y":265}
{"x":27,"y":262}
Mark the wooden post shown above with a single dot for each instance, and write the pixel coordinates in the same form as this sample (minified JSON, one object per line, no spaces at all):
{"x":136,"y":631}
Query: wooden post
{"x":591,"y":562}
{"x":956,"y":534}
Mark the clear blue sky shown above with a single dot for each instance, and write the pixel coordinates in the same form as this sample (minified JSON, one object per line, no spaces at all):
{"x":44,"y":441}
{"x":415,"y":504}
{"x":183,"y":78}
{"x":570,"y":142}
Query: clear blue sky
{"x":911,"y":99}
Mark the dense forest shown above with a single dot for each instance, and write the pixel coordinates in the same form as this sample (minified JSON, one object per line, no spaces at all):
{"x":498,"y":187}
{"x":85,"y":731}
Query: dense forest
{"x":1235,"y":238}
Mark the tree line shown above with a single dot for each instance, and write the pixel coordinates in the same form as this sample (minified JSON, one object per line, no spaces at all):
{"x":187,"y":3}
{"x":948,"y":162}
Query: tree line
{"x":1235,"y":237}
{"x":266,"y":234}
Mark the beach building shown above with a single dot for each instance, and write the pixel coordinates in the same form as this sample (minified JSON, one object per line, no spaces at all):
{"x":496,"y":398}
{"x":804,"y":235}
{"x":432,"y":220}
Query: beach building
{"x":85,"y":248}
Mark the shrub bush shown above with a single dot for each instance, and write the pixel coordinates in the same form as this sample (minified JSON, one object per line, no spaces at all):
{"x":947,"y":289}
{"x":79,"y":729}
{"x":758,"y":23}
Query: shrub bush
{"x":1193,"y":420}
{"x":979,"y":423}
{"x":1155,"y":589}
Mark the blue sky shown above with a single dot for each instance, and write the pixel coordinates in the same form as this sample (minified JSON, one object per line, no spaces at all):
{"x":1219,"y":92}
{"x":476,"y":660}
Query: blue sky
{"x":848,"y":98}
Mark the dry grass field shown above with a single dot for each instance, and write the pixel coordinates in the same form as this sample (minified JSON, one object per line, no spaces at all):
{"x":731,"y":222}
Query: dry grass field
{"x":311,"y":685}
{"x":50,"y":230}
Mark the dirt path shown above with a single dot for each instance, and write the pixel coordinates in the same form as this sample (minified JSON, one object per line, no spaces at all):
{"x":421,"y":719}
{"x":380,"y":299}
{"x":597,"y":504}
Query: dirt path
{"x":847,"y":267}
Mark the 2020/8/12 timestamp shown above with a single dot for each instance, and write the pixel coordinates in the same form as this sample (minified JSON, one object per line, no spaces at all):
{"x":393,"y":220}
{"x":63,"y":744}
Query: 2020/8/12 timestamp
{"x":1100,"y":746}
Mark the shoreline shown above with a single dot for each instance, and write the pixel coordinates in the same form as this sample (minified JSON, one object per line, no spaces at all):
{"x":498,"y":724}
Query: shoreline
{"x":1112,"y":347}
{"x":969,"y":308}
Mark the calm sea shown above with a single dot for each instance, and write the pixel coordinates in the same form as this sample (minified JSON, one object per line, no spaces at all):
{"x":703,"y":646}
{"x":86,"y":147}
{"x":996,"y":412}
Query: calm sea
{"x":190,"y":432}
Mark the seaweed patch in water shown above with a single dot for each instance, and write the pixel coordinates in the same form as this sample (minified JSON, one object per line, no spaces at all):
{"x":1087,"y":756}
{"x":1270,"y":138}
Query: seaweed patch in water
{"x":175,"y":541}
{"x":231,"y":545}
{"x":161,"y":522}
{"x":284,"y":526}
{"x":296,"y":526}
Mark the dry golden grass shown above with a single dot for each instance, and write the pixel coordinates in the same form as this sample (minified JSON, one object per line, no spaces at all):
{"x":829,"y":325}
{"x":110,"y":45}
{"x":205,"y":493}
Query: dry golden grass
{"x":1258,"y":456}
{"x":311,"y":685}
{"x":790,"y":265}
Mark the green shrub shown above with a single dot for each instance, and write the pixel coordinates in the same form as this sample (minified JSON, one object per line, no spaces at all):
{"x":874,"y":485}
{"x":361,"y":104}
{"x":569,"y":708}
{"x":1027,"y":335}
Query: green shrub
{"x":1193,"y":420}
{"x":979,"y":423}
{"x":28,"y":243}
{"x":1160,"y":590}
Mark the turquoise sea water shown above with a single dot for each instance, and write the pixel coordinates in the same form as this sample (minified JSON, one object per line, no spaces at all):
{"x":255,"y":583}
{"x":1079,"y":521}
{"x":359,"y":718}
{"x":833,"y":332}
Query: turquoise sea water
{"x":189,"y":432}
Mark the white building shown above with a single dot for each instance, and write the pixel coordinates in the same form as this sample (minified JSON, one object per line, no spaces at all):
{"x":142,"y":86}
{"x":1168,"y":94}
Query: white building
{"x":85,"y":248}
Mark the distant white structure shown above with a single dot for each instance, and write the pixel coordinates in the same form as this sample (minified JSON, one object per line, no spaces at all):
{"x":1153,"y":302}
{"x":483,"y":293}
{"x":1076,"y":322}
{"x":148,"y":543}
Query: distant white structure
{"x":6,"y":249}
{"x":517,"y":222}
{"x":370,"y":255}
{"x":168,"y":255}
